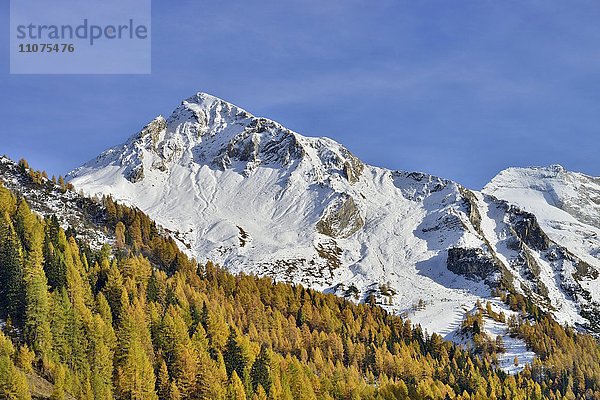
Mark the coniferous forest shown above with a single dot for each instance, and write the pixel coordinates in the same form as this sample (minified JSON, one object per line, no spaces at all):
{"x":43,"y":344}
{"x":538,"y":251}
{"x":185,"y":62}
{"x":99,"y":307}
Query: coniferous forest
{"x":138,"y":319}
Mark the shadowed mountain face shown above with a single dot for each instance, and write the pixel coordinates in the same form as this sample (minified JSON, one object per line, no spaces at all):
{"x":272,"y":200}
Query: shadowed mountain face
{"x":256,"y":197}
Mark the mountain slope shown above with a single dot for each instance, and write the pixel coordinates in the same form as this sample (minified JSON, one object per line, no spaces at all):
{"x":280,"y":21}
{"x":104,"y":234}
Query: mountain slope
{"x":256,"y":197}
{"x":100,"y":324}
{"x":47,"y":198}
{"x":567,"y":206}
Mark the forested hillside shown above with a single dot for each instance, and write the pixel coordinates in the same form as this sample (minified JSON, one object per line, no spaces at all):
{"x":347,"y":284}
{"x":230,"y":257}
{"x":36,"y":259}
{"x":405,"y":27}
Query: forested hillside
{"x":139,"y":320}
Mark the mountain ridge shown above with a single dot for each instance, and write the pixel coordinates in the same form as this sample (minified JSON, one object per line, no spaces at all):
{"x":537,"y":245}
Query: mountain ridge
{"x":256,"y":197}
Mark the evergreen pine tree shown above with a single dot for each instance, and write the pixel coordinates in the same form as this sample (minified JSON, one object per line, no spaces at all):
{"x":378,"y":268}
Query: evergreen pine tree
{"x":58,"y":391}
{"x":12,"y":298}
{"x":13,"y":384}
{"x":55,"y":243}
{"x":37,"y":324}
{"x":260,"y":373}
{"x":101,"y":359}
{"x":135,"y":375}
{"x":233,"y":355}
{"x":163,"y":380}
{"x":235,"y":388}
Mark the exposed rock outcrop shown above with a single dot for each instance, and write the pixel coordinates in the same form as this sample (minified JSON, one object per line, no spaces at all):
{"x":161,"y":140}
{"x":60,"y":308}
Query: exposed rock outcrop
{"x":473,"y":263}
{"x":341,"y":219}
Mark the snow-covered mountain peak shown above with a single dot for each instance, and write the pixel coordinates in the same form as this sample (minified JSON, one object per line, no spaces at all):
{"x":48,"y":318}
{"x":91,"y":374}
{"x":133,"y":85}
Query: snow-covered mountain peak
{"x":566,"y":204}
{"x":256,"y":197}
{"x":204,"y":114}
{"x":206,"y":102}
{"x":572,"y":193}
{"x":207,"y":131}
{"x":530,"y":176}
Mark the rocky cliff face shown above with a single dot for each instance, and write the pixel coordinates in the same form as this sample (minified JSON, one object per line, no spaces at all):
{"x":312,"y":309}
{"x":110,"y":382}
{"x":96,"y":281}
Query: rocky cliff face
{"x":256,"y":197}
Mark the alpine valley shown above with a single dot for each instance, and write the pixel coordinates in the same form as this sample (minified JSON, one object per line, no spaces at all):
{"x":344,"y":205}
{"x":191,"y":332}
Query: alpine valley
{"x":258,"y":198}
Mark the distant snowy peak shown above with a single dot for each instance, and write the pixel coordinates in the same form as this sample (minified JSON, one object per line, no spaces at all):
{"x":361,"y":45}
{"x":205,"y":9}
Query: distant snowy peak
{"x":566,"y":204}
{"x":205,"y":130}
{"x":573,"y":193}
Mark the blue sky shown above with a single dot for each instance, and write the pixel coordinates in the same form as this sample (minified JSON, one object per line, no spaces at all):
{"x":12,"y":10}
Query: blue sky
{"x":459,"y":89}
